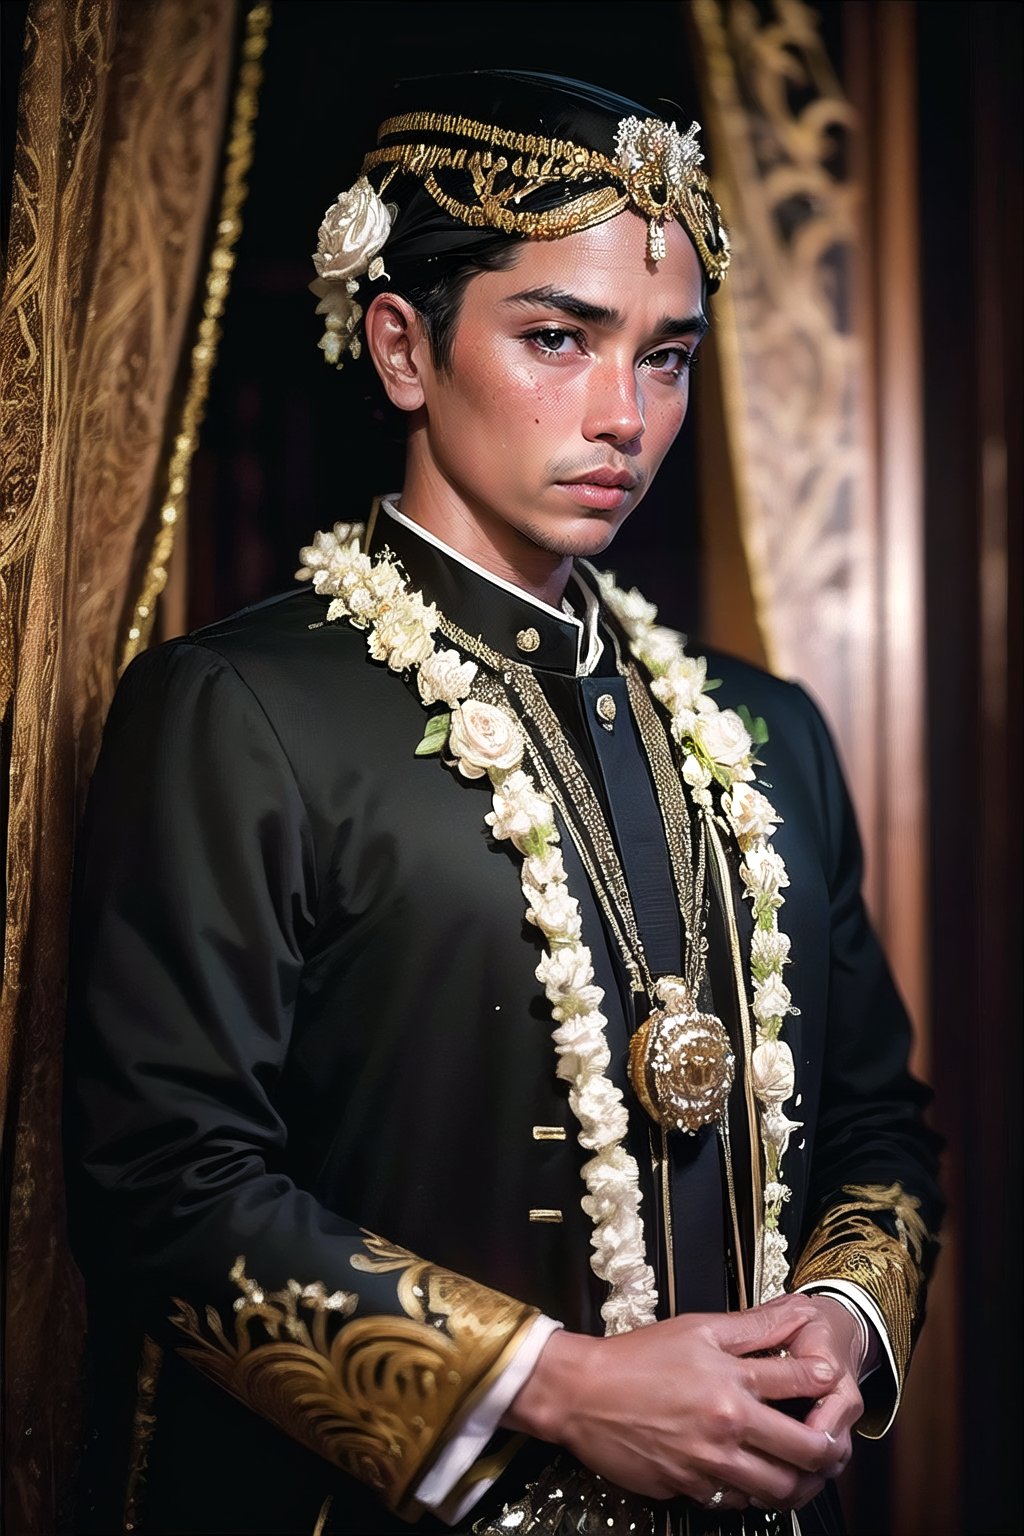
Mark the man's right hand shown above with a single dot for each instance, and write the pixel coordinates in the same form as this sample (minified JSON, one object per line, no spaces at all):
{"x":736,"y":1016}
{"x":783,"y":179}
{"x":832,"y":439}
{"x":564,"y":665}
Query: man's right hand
{"x":682,"y":1407}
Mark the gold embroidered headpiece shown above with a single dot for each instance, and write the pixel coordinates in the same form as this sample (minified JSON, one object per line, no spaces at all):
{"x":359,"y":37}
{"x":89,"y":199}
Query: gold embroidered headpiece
{"x":529,"y":155}
{"x":483,"y":175}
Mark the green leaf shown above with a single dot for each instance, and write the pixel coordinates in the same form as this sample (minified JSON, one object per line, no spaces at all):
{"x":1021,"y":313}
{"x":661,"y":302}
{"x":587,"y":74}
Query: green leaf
{"x":755,"y":725}
{"x":430,"y":746}
{"x":439,"y":724}
{"x":710,"y":684}
{"x":435,"y":735}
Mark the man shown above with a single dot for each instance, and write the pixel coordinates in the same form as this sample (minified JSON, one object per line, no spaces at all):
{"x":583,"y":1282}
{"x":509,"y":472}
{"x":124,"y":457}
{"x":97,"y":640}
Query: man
{"x":477,"y":1030}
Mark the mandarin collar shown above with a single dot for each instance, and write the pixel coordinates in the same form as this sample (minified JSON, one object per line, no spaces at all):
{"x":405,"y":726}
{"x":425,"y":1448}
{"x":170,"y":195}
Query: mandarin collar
{"x":509,"y":621}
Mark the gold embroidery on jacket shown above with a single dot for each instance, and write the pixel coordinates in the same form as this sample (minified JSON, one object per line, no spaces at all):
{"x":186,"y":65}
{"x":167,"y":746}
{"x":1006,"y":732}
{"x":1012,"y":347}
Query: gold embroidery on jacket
{"x":151,"y":1358}
{"x":849,"y":1244}
{"x":373,"y":1395}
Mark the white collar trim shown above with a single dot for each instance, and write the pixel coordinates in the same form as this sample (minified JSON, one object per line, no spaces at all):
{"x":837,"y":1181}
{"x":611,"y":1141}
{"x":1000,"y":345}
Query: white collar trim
{"x":586,"y":626}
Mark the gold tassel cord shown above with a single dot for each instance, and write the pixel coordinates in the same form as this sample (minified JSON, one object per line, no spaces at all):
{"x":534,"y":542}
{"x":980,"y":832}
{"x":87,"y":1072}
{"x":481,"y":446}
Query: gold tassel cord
{"x":238,"y":160}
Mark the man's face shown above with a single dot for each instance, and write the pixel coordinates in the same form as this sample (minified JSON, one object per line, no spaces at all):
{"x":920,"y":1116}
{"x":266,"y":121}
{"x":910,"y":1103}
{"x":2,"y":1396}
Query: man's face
{"x":569,"y":381}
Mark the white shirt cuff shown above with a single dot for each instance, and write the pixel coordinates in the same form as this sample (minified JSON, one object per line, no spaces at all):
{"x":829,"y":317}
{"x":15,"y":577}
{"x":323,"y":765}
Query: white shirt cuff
{"x":857,"y":1301}
{"x":466,"y":1445}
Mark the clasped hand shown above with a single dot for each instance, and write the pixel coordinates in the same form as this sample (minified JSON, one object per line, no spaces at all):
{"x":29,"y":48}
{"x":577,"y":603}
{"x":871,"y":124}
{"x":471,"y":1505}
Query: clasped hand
{"x":697,"y":1404}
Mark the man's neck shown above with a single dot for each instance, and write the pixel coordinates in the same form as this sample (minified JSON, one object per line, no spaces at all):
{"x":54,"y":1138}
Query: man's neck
{"x":486,"y":539}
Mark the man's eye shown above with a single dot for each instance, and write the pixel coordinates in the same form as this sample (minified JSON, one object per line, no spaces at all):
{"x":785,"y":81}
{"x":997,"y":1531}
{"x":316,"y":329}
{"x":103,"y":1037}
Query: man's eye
{"x":555,"y":340}
{"x":674,"y":361}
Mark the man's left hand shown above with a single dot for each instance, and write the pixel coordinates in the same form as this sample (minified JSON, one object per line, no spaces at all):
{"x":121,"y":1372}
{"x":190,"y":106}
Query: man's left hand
{"x":834,"y":1337}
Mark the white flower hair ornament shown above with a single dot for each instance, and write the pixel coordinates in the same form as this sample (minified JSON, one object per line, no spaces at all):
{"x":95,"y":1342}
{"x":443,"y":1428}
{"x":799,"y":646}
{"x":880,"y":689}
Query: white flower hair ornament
{"x":352,"y":235}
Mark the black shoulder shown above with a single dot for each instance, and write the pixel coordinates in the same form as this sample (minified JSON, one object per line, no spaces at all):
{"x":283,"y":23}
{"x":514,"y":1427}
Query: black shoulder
{"x":275,"y":623}
{"x":284,"y":644}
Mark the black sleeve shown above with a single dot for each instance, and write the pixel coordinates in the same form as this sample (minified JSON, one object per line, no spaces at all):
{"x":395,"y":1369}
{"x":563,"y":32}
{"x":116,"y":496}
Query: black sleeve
{"x":196,"y":891}
{"x":874,"y":1204}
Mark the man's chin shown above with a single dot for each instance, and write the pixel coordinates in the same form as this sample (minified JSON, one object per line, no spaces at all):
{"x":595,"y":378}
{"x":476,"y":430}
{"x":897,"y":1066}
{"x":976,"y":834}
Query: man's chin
{"x":584,"y":538}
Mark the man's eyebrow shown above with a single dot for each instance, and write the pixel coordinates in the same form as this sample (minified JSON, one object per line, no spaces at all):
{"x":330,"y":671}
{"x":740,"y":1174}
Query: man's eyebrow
{"x":568,"y":304}
{"x":600,"y":314}
{"x":673,"y":327}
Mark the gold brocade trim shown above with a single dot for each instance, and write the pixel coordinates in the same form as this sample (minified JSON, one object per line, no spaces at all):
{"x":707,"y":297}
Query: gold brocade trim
{"x":238,"y":159}
{"x":850,"y":1244}
{"x":151,"y":1358}
{"x":720,"y":867}
{"x":373,"y":1395}
{"x":499,"y":184}
{"x":321,"y":1519}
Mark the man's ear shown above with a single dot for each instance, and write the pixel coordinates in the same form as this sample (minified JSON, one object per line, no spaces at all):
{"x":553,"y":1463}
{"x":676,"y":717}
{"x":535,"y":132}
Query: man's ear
{"x":398,"y":344}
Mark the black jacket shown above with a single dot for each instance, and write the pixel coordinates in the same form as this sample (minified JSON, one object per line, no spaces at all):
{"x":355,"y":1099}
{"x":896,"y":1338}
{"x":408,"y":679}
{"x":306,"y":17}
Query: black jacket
{"x":304,"y":1010}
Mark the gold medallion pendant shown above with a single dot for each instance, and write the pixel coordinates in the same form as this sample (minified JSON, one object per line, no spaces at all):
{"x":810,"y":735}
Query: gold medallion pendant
{"x":681,"y":1064}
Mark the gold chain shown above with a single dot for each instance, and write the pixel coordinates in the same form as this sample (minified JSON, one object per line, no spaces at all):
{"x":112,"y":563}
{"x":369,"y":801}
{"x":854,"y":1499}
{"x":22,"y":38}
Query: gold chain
{"x":570,"y":788}
{"x":603,"y":854}
{"x":691,"y":882}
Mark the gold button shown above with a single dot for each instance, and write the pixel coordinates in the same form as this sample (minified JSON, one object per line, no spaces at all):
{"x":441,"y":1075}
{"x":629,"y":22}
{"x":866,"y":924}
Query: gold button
{"x":605,"y":707}
{"x":528,"y":639}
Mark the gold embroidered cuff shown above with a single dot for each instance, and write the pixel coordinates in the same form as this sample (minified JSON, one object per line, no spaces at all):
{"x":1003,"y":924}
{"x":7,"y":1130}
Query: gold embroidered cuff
{"x":377,"y":1395}
{"x":851,"y":1242}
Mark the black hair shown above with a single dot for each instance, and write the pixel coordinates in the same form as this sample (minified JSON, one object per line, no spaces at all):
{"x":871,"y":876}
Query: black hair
{"x":435,"y":287}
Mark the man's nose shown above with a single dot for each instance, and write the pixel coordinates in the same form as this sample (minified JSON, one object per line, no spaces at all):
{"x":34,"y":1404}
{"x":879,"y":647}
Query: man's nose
{"x":614,"y":406}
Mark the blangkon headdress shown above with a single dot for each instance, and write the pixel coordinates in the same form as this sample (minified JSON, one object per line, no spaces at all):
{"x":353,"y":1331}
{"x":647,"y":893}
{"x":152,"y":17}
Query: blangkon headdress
{"x":465,"y":158}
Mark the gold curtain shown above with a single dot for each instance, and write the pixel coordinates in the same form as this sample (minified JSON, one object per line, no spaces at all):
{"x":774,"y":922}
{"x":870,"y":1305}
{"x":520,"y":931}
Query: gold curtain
{"x":122,"y":110}
{"x":820,"y":407}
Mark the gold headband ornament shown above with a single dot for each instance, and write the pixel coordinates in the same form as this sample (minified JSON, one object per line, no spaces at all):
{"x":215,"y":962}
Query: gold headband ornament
{"x":655,"y":171}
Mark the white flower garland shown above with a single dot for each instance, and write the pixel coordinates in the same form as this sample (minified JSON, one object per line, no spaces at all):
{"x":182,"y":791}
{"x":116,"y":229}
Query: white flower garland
{"x":484,"y":740}
{"x":717,"y":747}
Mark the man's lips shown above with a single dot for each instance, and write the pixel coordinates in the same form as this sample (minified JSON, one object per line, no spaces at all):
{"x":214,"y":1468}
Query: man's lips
{"x":620,"y":479}
{"x":604,"y":490}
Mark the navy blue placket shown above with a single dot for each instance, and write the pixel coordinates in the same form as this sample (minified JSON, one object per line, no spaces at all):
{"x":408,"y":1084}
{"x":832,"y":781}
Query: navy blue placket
{"x":696,"y":1183}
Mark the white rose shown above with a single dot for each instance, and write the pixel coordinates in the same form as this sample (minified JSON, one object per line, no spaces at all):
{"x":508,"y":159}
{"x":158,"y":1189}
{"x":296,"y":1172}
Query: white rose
{"x":555,"y":913}
{"x":750,"y":813}
{"x":724,"y":738}
{"x":776,"y":1193}
{"x":485,"y":739}
{"x":772,"y":998}
{"x":444,"y":678}
{"x":773,"y":1071}
{"x":354,"y":230}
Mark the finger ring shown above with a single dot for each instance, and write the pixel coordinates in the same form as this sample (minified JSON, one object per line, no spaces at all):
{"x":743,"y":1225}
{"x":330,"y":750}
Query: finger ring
{"x":716,"y":1498}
